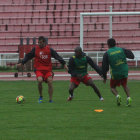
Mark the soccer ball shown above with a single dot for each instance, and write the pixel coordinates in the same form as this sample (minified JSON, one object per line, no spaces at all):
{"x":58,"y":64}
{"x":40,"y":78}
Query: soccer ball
{"x":20,"y":99}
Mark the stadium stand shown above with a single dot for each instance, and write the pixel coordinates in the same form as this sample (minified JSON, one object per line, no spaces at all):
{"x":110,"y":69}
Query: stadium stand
{"x":59,"y":20}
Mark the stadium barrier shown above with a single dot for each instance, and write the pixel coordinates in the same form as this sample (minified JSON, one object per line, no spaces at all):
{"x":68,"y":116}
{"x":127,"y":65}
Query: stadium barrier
{"x":10,"y":59}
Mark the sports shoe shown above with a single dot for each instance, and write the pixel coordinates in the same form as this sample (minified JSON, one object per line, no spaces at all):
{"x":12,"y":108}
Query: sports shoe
{"x":70,"y":98}
{"x":128,"y":102}
{"x":40,"y":100}
{"x":118,"y":100}
{"x":50,"y":101}
{"x":101,"y":99}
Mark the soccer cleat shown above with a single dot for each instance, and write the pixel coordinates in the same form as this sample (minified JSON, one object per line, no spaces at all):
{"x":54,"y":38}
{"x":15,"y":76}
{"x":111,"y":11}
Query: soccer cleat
{"x":70,"y":98}
{"x":118,"y":100}
{"x":40,"y":100}
{"x":50,"y":101}
{"x":129,"y":100}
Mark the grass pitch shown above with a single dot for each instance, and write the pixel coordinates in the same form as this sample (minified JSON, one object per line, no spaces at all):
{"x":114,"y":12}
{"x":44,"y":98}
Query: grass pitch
{"x":62,"y":120}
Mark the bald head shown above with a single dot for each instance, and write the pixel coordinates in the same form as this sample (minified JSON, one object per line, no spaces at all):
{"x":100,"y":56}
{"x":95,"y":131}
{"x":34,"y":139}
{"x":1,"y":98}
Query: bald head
{"x":78,"y":51}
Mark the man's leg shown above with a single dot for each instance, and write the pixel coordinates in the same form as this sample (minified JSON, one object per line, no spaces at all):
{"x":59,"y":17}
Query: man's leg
{"x":113,"y":85}
{"x":40,"y":80}
{"x":71,"y":90}
{"x":91,"y":83}
{"x":114,"y":91}
{"x":129,"y":100}
{"x":126,"y":89}
{"x":50,"y":87}
{"x":118,"y":97}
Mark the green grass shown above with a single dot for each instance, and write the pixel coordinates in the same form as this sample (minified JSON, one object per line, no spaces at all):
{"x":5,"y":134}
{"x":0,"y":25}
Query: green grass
{"x":62,"y":120}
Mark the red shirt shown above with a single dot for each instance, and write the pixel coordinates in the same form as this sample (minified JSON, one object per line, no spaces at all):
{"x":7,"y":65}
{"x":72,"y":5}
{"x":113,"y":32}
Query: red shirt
{"x":43,"y":58}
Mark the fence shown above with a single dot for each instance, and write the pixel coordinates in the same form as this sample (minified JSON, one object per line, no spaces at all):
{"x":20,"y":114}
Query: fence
{"x":10,"y":59}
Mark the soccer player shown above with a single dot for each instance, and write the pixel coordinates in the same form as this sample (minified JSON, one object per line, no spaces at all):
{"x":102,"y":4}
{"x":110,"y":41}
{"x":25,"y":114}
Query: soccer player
{"x":77,"y":67}
{"x":43,"y":65}
{"x":115,"y":57}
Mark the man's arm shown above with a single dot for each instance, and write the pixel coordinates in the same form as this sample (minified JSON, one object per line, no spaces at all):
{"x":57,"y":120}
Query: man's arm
{"x":105,"y":65}
{"x":28,"y":56}
{"x":71,"y":67}
{"x":55,"y":55}
{"x":94,"y":65}
{"x":129,"y":54}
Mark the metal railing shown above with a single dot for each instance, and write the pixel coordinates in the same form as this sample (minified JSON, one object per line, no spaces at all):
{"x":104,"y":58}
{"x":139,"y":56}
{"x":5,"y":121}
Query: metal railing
{"x":12,"y":58}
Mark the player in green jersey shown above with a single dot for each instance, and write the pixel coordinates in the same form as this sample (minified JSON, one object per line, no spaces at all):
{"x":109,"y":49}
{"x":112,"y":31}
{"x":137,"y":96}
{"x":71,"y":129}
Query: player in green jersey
{"x":77,"y":67}
{"x":115,"y":57}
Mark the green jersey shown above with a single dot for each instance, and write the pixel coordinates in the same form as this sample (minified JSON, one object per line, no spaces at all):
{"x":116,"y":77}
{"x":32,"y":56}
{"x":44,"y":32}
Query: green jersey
{"x":80,"y":65}
{"x":118,"y":63}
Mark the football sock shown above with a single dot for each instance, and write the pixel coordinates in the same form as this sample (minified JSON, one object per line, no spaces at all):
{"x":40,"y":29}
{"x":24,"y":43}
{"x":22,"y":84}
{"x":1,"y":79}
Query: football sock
{"x":128,"y":98}
{"x":117,"y":96}
{"x":71,"y":93}
{"x":101,"y":99}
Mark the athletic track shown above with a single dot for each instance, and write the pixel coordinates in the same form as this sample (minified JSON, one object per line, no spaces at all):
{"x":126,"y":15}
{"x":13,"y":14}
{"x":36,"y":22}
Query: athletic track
{"x":9,"y":76}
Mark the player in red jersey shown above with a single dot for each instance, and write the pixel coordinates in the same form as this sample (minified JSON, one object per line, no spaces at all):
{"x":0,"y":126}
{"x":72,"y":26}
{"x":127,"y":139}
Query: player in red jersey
{"x":42,"y":65}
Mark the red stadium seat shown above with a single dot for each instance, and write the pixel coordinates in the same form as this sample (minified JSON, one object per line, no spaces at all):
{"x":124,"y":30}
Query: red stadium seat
{"x":60,"y":21}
